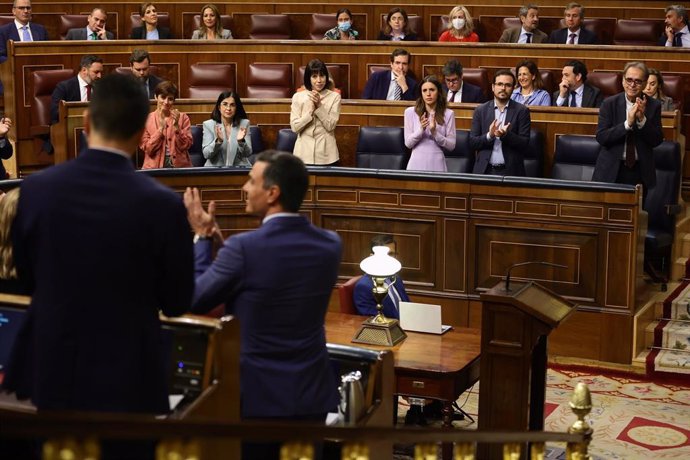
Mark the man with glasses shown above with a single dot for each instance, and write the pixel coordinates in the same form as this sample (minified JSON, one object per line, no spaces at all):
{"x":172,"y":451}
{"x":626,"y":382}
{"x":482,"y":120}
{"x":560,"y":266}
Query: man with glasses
{"x":500,"y":131}
{"x":573,"y":90}
{"x":459,"y":91}
{"x":21,"y":29}
{"x":629,"y":128}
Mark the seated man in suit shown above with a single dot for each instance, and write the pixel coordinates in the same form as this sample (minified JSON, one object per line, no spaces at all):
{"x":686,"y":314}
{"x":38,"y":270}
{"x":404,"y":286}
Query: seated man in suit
{"x":528,"y":32}
{"x":95,"y":29}
{"x":676,"y":32}
{"x":628,"y":130}
{"x":140,"y":63}
{"x":363,"y":297}
{"x":21,"y":29}
{"x":394,"y":84}
{"x":573,"y":91}
{"x":573,"y":33}
{"x":459,"y":90}
{"x":277,"y":280}
{"x":500,"y":131}
{"x":77,"y":88}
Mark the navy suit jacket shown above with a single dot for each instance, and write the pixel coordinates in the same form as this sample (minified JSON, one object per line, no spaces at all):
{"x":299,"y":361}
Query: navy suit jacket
{"x":515,"y":141}
{"x":140,"y":33}
{"x":379,"y":82}
{"x":67,"y":90}
{"x":80,"y":34}
{"x":471,"y":93}
{"x":611,"y":135}
{"x":591,"y":97}
{"x":10,"y":32}
{"x":152,"y":82}
{"x":278,"y":281}
{"x":101,"y":249}
{"x":364,"y":299}
{"x":560,"y":36}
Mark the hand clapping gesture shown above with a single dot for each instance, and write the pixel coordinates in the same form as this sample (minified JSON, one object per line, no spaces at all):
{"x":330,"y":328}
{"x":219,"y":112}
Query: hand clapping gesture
{"x":219,"y":134}
{"x":175,"y":115}
{"x":424,"y":120}
{"x":315,"y":98}
{"x":431,"y":120}
{"x":5,"y":125}
{"x":241,"y":133}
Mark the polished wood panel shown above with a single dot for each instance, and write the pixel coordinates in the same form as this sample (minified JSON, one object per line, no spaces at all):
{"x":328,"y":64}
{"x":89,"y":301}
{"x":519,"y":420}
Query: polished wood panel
{"x":449,"y":257}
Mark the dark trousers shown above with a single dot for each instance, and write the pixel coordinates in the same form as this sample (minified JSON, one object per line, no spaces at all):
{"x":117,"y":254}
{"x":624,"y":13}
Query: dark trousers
{"x":630,"y":176}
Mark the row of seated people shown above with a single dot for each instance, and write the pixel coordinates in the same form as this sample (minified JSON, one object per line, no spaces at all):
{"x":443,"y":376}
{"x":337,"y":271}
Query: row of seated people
{"x":457,"y":26}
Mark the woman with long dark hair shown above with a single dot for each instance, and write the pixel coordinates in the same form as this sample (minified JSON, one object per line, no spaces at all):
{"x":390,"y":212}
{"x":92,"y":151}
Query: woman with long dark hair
{"x":314,"y":115}
{"x":429,"y":127}
{"x":226,"y":141}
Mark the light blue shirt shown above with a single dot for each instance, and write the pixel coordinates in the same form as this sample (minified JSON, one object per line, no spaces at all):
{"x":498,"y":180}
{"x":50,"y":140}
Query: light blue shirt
{"x":497,"y":152}
{"x":152,"y":35}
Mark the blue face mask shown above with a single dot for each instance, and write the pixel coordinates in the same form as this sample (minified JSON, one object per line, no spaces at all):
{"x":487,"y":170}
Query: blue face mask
{"x":344,"y":26}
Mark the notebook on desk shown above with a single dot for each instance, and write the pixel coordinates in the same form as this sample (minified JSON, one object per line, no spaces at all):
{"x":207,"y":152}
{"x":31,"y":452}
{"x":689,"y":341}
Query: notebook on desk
{"x":421,"y":317}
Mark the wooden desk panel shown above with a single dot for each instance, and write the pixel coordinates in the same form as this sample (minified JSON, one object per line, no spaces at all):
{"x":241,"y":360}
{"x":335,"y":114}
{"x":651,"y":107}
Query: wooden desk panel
{"x":452,"y":248}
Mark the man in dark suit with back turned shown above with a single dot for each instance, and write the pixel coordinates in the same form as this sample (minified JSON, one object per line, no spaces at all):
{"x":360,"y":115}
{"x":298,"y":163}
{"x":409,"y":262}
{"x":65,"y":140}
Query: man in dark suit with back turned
{"x":500,"y":131}
{"x":573,"y":90}
{"x":629,"y":128}
{"x":573,"y":33}
{"x":77,"y":88}
{"x":102,"y":249}
{"x":277,"y":280}
{"x":394,"y":84}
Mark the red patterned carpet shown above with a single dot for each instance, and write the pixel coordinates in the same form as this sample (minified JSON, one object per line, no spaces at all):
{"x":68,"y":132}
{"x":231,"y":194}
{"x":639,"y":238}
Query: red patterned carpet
{"x":632,"y":418}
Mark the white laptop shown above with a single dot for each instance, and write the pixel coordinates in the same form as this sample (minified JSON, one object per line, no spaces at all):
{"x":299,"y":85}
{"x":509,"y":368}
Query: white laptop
{"x":421,"y":317}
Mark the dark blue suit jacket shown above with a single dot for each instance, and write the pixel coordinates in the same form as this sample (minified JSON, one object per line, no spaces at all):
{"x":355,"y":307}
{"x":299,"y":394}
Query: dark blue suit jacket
{"x":471,"y":93}
{"x":140,"y":33}
{"x":365,"y":303}
{"x":9,"y":32}
{"x":379,"y":82}
{"x":67,"y":90}
{"x":560,"y":36}
{"x":514,"y":142}
{"x":611,"y":135}
{"x":101,"y":249}
{"x":278,"y":281}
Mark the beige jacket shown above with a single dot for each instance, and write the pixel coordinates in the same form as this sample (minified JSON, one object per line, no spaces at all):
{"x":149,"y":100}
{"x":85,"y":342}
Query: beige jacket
{"x":315,"y":132}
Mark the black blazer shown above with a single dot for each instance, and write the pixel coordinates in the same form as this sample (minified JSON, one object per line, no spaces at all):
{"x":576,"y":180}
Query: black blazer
{"x":515,"y":141}
{"x":379,"y":82}
{"x":67,"y":90}
{"x":471,"y":93}
{"x":101,"y":249}
{"x":140,"y":33}
{"x":591,"y":97}
{"x":611,"y":136}
{"x":560,"y":36}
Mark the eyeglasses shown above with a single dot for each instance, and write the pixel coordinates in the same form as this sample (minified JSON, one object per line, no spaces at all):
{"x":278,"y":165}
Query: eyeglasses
{"x":634,"y":81}
{"x":227,"y":104}
{"x":23,"y":8}
{"x":503,"y":85}
{"x":452,"y":80}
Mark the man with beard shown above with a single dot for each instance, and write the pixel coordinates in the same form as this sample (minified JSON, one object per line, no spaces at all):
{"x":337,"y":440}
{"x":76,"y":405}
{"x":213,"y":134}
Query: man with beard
{"x":528,"y":32}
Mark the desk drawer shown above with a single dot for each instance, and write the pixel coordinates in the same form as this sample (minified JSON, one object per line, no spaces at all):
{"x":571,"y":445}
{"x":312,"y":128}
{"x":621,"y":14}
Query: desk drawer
{"x":437,"y":388}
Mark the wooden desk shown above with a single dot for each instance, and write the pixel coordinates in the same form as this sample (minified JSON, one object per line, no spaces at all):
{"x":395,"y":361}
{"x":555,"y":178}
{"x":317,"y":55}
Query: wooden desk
{"x":426,"y":365}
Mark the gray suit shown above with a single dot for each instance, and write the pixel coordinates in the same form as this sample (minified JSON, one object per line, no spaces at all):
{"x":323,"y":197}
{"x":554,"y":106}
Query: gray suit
{"x":81,"y":34}
{"x":229,"y":152}
{"x":513,"y":34}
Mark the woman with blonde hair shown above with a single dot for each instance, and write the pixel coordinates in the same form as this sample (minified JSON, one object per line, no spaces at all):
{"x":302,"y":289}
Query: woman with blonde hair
{"x":8,"y":271}
{"x":460,"y":27}
{"x":210,"y":27}
{"x":429,"y":127}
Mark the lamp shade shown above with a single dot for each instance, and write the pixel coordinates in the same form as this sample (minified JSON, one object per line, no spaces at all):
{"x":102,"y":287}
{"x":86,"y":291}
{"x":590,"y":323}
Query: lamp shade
{"x":380,"y":264}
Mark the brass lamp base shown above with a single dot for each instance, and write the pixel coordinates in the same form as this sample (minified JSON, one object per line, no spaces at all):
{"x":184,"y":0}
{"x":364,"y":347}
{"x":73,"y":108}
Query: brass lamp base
{"x":374,"y":332}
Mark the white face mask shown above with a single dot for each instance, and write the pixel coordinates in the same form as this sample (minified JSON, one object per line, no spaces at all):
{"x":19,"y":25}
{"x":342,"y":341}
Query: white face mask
{"x":458,"y":23}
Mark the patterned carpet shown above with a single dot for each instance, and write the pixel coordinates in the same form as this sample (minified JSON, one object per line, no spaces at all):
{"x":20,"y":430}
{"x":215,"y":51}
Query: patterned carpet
{"x":631,"y":418}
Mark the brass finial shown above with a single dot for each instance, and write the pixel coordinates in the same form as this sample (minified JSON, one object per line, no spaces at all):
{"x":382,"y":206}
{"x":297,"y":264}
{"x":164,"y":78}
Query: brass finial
{"x":581,"y":405}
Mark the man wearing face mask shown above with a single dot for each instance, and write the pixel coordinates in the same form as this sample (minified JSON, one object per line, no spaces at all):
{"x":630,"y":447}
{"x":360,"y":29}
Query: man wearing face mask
{"x":394,"y":84}
{"x":344,"y":30}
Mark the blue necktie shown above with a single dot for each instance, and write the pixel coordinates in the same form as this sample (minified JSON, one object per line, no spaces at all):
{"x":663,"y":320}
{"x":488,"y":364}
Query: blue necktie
{"x":26,"y":36}
{"x":677,"y":40}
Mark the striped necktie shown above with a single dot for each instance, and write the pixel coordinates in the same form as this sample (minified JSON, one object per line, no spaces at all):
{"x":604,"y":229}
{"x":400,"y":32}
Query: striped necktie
{"x":397,"y":93}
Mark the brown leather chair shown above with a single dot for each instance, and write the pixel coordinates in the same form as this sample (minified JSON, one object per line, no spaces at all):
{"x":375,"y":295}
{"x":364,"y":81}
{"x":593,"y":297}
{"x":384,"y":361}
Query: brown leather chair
{"x":478,"y":77}
{"x":269,"y":80}
{"x":373,"y":68}
{"x":638,"y":32}
{"x":509,"y":23}
{"x":207,"y":81}
{"x":76,"y":21}
{"x":42,"y":84}
{"x":128,"y":71}
{"x":320,"y":23}
{"x":609,"y":83}
{"x":346,"y":293}
{"x":135,"y":21}
{"x":602,"y":27}
{"x":549,"y":81}
{"x":339,"y":74}
{"x":270,"y":27}
{"x":673,"y":88}
{"x":225,"y":21}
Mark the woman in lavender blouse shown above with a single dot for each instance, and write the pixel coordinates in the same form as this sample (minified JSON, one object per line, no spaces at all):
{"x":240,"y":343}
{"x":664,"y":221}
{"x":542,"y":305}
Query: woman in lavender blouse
{"x":429,"y":128}
{"x":530,"y":87}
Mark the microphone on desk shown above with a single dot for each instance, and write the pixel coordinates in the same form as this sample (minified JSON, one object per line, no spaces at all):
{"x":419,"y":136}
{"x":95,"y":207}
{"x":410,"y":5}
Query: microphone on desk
{"x":531,"y":262}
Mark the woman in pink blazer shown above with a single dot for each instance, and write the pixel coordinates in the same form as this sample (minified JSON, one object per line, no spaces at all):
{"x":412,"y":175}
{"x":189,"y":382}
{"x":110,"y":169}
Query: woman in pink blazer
{"x":168,"y":135}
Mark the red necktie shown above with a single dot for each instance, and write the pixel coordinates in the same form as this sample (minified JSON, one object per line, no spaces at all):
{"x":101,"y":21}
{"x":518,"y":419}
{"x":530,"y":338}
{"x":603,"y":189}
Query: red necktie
{"x":88,"y":92}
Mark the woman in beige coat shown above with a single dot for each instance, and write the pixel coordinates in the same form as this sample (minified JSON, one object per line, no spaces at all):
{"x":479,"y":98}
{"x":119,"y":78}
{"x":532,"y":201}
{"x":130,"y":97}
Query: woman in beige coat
{"x":314,"y":115}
